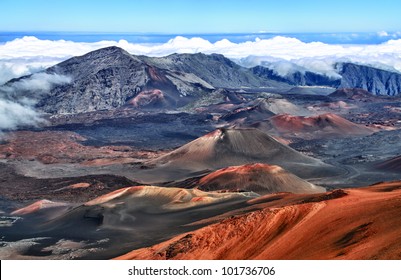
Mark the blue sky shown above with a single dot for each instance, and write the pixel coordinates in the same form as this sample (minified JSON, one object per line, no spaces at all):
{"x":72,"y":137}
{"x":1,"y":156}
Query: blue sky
{"x":200,"y":16}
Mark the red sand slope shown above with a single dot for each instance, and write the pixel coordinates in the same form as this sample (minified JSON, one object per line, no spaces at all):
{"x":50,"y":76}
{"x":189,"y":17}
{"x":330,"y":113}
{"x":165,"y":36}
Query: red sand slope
{"x":37,"y":206}
{"x":318,"y":126}
{"x":359,"y":223}
{"x":260,"y":178}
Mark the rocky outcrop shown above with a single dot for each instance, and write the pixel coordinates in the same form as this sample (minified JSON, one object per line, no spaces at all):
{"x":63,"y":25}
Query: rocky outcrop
{"x":102,"y":79}
{"x":111,"y":78}
{"x":376,"y":81}
{"x":373,"y":80}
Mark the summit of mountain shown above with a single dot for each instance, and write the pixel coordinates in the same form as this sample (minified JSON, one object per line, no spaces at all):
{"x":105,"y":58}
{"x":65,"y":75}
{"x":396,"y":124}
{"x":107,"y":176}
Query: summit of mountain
{"x":258,"y":177}
{"x":226,"y":147}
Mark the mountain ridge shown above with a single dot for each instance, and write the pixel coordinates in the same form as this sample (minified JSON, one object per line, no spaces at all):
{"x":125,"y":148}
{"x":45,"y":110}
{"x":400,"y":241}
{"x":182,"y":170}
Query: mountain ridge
{"x":110,"y":78}
{"x":374,"y":80}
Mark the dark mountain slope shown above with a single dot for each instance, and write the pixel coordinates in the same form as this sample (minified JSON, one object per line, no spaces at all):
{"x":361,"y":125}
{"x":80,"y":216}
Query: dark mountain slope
{"x":374,"y":80}
{"x":297,"y":78}
{"x":215,"y":69}
{"x":110,"y":78}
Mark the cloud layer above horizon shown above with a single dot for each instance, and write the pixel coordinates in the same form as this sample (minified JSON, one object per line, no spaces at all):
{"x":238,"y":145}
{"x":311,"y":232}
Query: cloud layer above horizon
{"x":27,"y":55}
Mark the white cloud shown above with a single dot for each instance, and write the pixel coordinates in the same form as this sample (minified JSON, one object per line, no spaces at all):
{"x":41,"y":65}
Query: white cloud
{"x":37,"y":82}
{"x":29,"y":54}
{"x":17,"y":111}
{"x":17,"y":67}
{"x":14,"y":115}
{"x":382,"y":34}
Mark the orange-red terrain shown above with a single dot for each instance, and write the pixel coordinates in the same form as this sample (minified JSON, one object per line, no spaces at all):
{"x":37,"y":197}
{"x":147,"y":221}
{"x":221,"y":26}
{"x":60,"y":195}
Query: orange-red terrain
{"x":37,"y":206}
{"x":148,"y":97}
{"x":258,"y":177}
{"x":325,"y":125}
{"x":66,"y":147}
{"x":361,"y":223}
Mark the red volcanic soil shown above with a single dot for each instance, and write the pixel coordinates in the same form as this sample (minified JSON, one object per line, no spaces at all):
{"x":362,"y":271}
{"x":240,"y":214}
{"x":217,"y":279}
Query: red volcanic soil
{"x":79,"y":186}
{"x":156,"y":75}
{"x":147,"y":98}
{"x":361,"y":223}
{"x":247,"y":114}
{"x":38,"y":205}
{"x":260,"y":178}
{"x":159,"y":199}
{"x":393,"y":164}
{"x":325,"y":125}
{"x":65,"y":147}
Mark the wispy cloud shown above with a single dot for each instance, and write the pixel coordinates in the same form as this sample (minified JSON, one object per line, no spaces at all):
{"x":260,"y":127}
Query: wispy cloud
{"x":14,"y":115}
{"x":17,"y":67}
{"x":18,"y":111}
{"x":38,"y":82}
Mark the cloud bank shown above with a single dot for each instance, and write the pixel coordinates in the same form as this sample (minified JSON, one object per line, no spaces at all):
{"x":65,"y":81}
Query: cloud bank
{"x":18,"y":111}
{"x":29,"y":54}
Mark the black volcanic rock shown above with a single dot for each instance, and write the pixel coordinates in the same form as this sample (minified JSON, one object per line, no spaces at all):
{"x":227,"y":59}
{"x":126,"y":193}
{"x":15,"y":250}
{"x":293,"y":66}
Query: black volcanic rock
{"x":102,"y":79}
{"x":110,"y":78}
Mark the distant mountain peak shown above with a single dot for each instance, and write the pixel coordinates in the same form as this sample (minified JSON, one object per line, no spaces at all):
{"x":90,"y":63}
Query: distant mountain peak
{"x":108,"y":78}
